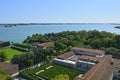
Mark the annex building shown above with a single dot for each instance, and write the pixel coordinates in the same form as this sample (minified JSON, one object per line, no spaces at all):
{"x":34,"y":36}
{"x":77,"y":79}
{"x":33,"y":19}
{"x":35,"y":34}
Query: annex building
{"x":95,"y":62}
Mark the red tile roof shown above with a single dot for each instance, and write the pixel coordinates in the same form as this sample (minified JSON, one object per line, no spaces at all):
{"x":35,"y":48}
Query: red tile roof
{"x":46,"y":44}
{"x":11,"y":69}
{"x":89,"y":50}
{"x":65,"y":55}
{"x":101,"y":71}
{"x":75,"y":58}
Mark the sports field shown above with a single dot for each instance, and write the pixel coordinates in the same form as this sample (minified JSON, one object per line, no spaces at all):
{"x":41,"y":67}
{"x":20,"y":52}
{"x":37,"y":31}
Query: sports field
{"x":11,"y":52}
{"x":52,"y":71}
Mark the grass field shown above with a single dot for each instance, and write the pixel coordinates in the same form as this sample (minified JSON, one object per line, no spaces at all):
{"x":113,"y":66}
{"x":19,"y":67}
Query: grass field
{"x":56,"y":70}
{"x":11,"y":52}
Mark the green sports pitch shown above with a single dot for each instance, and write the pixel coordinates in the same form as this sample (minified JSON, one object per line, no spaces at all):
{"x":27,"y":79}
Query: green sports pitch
{"x":11,"y":52}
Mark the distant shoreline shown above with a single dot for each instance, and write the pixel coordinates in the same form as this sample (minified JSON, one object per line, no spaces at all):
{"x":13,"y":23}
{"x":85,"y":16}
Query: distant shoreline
{"x":22,"y":24}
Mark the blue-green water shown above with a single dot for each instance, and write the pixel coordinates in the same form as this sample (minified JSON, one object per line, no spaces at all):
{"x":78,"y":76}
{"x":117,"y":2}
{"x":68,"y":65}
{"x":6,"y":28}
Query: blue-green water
{"x":19,"y":33}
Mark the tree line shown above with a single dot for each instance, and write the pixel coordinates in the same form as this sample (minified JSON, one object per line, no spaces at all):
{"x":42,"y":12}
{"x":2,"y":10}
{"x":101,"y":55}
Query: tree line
{"x":3,"y":56}
{"x":107,"y":41}
{"x":4,"y":44}
{"x":27,"y":46}
{"x":30,"y":59}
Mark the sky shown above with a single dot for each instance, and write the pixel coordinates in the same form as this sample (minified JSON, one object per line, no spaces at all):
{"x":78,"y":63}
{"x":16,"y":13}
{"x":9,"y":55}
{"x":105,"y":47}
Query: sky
{"x":59,"y":11}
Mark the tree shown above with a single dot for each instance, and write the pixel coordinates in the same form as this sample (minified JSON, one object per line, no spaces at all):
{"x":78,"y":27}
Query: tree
{"x":117,"y":38}
{"x":3,"y":56}
{"x":108,"y":42}
{"x":111,"y":50}
{"x":61,"y":77}
{"x":26,"y":60}
{"x":96,"y":43}
{"x":94,"y":34}
{"x":47,"y":58}
{"x":4,"y":75}
{"x":30,"y":62}
{"x":5,"y":44}
{"x":60,"y":46}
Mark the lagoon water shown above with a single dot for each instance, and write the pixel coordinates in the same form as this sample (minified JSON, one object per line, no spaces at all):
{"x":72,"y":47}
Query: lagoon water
{"x":19,"y":33}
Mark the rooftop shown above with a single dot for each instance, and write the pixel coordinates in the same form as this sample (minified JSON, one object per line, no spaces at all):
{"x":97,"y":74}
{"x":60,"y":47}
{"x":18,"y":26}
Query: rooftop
{"x":46,"y":44}
{"x":89,"y":50}
{"x":65,"y":55}
{"x":11,"y":69}
{"x":101,"y":71}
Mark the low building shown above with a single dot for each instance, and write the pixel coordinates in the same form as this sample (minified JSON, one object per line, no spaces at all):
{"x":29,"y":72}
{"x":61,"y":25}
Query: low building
{"x":12,"y":69}
{"x":45,"y":45}
{"x":95,"y":62}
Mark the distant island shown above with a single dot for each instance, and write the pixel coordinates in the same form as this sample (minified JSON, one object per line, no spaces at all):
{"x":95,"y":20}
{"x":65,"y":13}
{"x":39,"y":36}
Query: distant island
{"x":13,"y":25}
{"x":21,"y":24}
{"x":117,"y":27}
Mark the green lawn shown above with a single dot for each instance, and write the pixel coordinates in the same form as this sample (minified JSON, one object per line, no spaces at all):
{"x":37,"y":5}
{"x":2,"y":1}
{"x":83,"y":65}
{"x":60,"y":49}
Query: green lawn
{"x":55,"y":71}
{"x":11,"y":52}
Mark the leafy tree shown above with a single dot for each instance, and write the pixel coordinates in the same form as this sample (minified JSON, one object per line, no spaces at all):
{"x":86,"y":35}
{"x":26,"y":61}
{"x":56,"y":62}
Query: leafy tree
{"x":3,"y":56}
{"x":61,"y":77}
{"x":117,"y":38}
{"x":30,"y":62}
{"x":4,"y":75}
{"x":94,"y":34}
{"x":60,"y":46}
{"x":22,"y":45}
{"x":5,"y":44}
